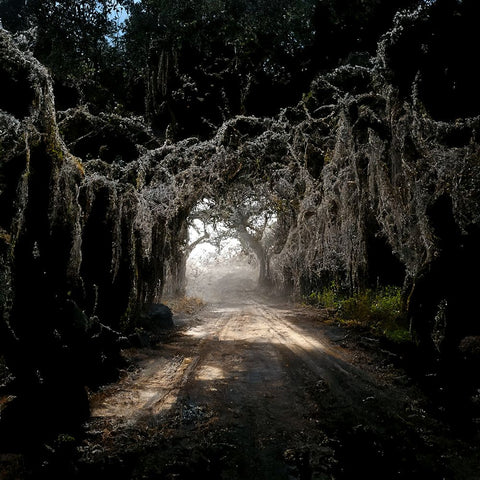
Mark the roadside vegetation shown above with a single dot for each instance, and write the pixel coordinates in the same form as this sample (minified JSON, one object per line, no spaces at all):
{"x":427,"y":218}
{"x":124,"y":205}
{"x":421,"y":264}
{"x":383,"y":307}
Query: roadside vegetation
{"x":380,"y":310}
{"x":184,"y":304}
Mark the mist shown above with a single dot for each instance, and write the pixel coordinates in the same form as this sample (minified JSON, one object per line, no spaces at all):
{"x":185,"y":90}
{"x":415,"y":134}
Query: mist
{"x":222,"y":272}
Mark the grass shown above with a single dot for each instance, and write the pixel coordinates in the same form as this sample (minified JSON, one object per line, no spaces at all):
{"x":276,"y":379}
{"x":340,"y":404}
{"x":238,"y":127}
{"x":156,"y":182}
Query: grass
{"x":380,"y":310}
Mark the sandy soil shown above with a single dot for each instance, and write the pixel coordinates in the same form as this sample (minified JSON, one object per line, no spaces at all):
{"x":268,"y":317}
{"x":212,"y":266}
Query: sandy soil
{"x":256,"y":388}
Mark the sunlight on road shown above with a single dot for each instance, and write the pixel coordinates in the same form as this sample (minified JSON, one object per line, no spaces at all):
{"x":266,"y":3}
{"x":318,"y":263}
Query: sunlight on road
{"x":210,"y":372}
{"x":237,"y":338}
{"x":153,"y":391}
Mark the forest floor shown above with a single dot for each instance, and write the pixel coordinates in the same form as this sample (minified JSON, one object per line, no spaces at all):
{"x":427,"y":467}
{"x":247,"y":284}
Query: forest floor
{"x":257,"y":388}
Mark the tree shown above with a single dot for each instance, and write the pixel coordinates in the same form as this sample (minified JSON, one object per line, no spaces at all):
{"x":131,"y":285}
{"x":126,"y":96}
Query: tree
{"x":12,"y":15}
{"x":77,"y":40}
{"x":206,"y":61}
{"x":346,"y":27}
{"x":73,"y":35}
{"x":243,"y":213}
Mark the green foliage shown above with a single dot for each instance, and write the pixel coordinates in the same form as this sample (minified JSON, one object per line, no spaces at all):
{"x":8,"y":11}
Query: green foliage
{"x":381,"y":310}
{"x":73,"y":37}
{"x":245,"y":24}
{"x":205,"y":60}
{"x":357,"y":308}
{"x":326,"y":298}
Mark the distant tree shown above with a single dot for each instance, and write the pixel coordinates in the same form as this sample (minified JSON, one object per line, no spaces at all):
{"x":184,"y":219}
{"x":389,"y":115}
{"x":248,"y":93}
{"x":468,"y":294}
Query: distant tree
{"x":244,"y":213}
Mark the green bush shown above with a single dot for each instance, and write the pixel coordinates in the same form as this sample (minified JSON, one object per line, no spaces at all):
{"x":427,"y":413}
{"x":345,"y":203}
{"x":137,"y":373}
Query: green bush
{"x":326,"y":298}
{"x":357,"y":307}
{"x":380,"y":310}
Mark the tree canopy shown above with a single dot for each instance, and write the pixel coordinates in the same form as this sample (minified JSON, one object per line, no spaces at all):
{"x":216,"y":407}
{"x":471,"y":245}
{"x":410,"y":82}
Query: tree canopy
{"x":72,"y":37}
{"x":191,"y":64}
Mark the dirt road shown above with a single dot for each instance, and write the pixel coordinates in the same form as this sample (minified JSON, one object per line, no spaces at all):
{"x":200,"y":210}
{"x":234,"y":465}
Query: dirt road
{"x":259,"y":389}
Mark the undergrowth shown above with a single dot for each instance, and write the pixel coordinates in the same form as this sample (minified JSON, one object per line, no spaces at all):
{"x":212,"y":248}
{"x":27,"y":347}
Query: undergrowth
{"x":380,"y":310}
{"x":189,"y":305}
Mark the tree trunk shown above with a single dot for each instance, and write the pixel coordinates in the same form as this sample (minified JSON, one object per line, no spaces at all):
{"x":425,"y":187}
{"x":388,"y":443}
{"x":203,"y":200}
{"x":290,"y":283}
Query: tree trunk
{"x":250,"y":242}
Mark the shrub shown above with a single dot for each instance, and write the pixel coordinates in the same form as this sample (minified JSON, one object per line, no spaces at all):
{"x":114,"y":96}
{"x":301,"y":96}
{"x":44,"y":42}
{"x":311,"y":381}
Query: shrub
{"x":327,"y":298}
{"x":357,"y":307}
{"x":381,"y":310}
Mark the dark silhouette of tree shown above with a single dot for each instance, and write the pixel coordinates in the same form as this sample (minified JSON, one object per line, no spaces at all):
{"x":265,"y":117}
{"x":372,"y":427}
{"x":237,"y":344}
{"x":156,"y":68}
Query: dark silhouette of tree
{"x":72,"y":35}
{"x":345,"y":28}
{"x":206,"y":61}
{"x":79,"y":42}
{"x":192,"y":64}
{"x":12,"y":15}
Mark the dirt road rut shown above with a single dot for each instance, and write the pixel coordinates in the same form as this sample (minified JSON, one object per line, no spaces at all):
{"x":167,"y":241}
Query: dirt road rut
{"x":256,"y":389}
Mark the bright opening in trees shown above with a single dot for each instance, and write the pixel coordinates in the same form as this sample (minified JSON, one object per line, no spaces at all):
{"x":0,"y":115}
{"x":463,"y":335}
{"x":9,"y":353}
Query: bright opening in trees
{"x":229,"y":236}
